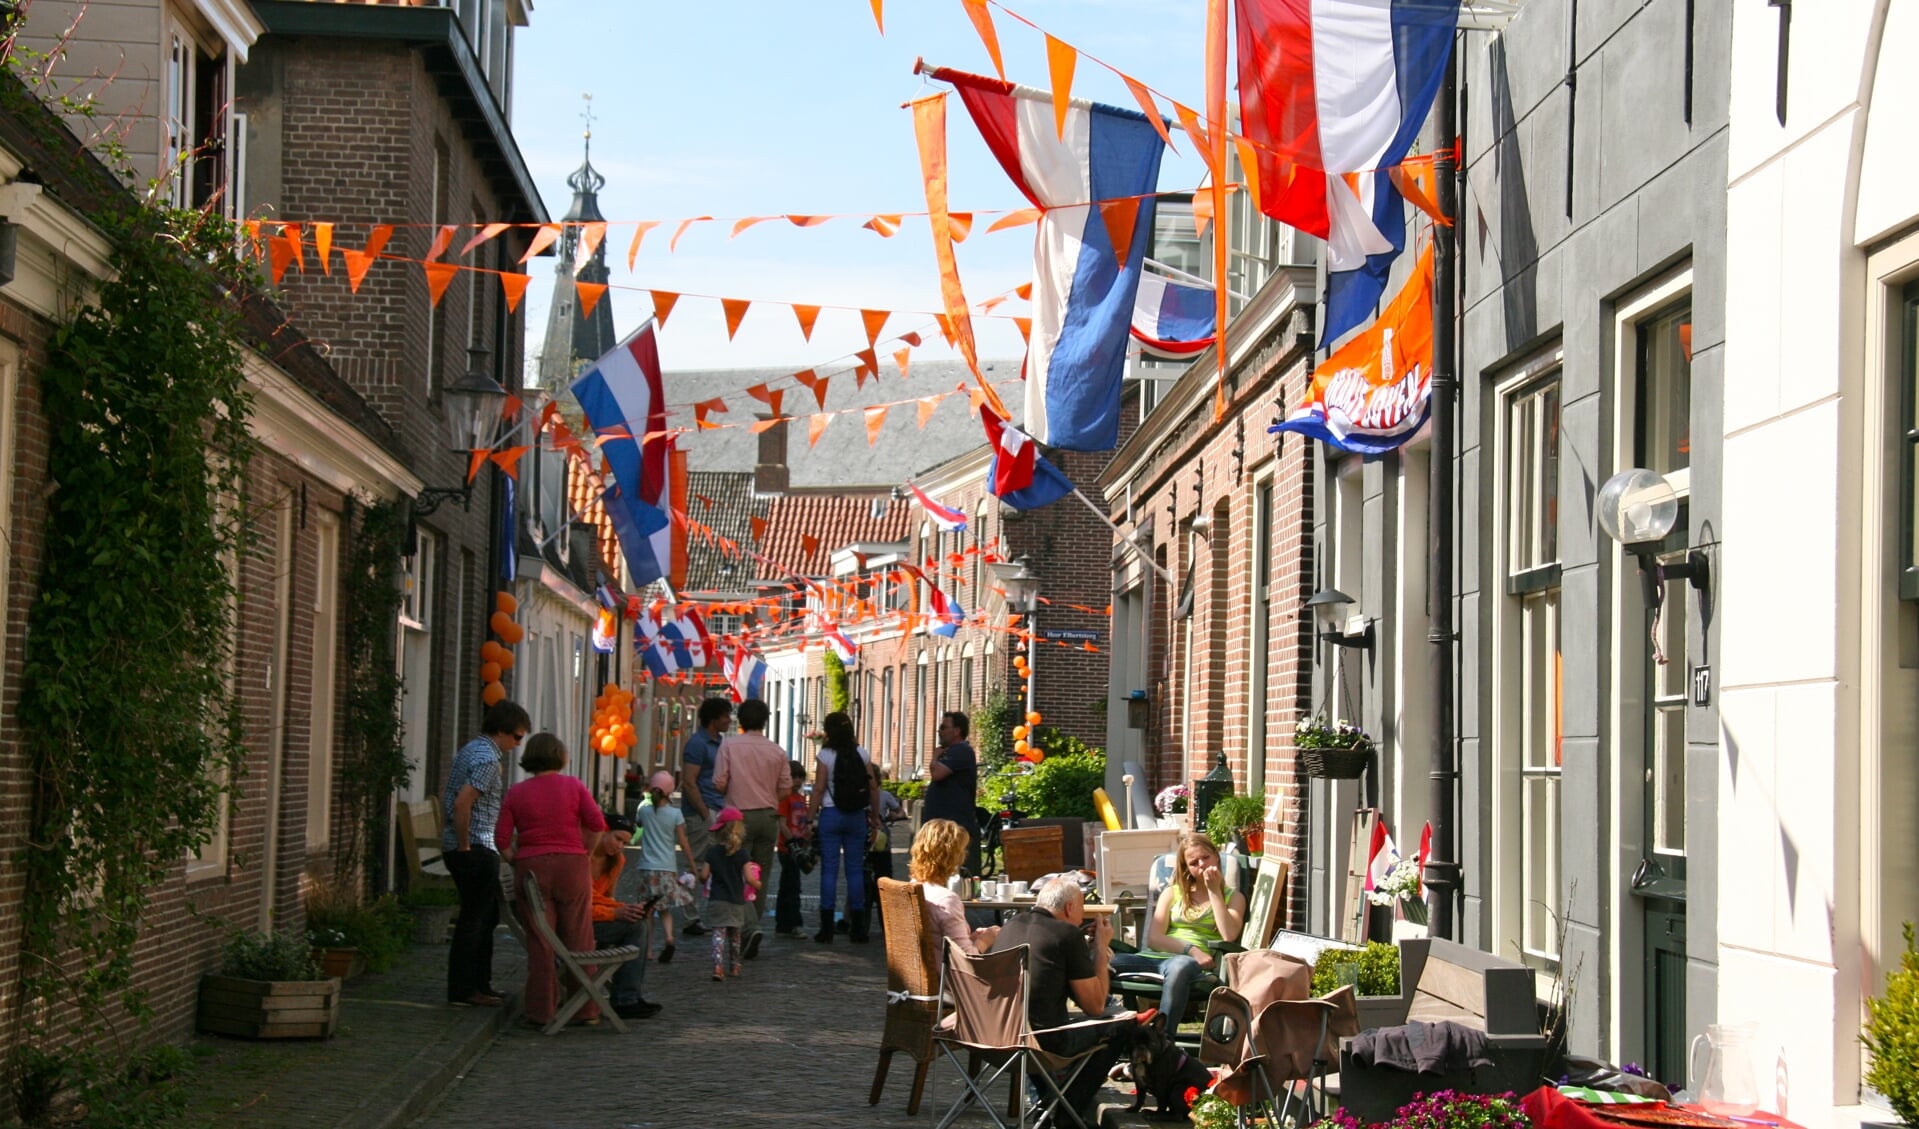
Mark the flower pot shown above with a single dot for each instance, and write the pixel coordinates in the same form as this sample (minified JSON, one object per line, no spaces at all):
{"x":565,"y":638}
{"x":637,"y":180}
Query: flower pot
{"x":1254,"y":840}
{"x":1336,"y":764}
{"x":269,"y":1009}
{"x":430,"y":923}
{"x":342,"y":964}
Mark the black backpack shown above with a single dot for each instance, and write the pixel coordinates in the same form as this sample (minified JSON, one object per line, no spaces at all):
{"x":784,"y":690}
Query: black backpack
{"x":852,"y":788}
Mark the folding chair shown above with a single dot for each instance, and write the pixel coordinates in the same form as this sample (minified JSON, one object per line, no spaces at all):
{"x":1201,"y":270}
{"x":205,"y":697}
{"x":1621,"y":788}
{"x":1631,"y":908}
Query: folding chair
{"x":1290,"y":1042}
{"x":587,"y":986}
{"x":912,"y":985}
{"x":990,"y":994}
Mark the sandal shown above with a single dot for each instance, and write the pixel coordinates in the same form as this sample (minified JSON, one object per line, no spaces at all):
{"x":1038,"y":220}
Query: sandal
{"x":666,"y":953}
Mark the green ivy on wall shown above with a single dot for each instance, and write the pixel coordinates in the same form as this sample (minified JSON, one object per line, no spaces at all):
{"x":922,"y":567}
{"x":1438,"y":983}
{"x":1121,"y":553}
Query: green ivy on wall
{"x":373,"y":764}
{"x":838,"y":696}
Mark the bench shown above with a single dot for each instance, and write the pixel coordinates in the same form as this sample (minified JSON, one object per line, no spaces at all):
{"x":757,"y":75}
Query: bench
{"x":1467,"y":986}
{"x":419,"y":822}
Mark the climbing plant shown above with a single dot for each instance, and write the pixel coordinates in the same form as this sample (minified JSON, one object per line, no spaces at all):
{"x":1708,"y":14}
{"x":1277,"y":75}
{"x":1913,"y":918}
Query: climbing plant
{"x":127,"y":709}
{"x":838,"y":695}
{"x":373,"y":764}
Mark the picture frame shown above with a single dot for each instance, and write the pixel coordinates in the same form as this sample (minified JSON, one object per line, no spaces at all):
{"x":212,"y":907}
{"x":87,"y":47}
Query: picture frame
{"x":1262,"y":909}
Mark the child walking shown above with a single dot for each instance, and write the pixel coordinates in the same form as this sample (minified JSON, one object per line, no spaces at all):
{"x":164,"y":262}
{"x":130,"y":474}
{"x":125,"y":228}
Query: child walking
{"x":725,"y":869}
{"x":662,"y":828}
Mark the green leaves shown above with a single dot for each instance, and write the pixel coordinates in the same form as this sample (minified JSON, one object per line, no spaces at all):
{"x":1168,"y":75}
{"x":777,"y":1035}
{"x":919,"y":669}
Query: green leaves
{"x":1891,"y":1035}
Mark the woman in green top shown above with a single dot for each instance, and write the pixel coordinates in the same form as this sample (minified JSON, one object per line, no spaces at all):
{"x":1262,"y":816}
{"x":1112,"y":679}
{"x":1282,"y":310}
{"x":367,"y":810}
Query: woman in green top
{"x":1196,"y":910}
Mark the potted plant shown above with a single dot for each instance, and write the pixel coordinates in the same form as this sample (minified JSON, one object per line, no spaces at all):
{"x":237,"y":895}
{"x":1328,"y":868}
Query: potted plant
{"x":350,"y":936}
{"x":1446,"y":1109}
{"x":335,"y":953}
{"x":1332,"y":750}
{"x":269,"y":987}
{"x":432,"y":908}
{"x":1401,"y":889}
{"x":1387,"y":976}
{"x":1238,"y":818}
{"x":1891,"y":1034}
{"x":1172,"y":803}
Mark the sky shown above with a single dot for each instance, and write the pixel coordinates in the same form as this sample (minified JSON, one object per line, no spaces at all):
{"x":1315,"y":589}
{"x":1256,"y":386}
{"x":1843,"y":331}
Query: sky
{"x":735,"y":108}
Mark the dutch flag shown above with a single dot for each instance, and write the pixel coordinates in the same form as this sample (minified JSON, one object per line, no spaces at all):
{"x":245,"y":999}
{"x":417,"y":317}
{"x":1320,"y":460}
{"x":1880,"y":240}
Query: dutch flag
{"x":847,"y":650}
{"x":625,"y":403}
{"x":948,"y":519}
{"x":1170,"y":320}
{"x":745,"y":674}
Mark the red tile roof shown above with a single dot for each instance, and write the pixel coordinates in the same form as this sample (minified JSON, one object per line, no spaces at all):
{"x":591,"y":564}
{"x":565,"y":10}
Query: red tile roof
{"x":835,"y":520}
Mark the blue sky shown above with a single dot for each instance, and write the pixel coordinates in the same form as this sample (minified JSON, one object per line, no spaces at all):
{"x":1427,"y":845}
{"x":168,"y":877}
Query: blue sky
{"x":754,"y":107}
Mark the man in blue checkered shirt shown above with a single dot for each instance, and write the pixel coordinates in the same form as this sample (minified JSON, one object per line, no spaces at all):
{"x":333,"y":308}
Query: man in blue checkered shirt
{"x":469,"y":807}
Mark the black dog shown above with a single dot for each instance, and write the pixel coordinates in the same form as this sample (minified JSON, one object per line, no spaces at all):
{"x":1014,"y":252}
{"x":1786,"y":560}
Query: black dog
{"x":1161,"y":1069}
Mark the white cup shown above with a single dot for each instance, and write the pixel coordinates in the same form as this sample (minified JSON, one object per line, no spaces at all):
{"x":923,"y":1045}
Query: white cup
{"x":988,"y":891}
{"x":1020,"y":889}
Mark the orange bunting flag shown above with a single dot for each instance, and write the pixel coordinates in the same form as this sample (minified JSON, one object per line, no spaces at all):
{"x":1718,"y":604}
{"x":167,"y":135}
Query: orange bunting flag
{"x":673,"y":244}
{"x":1150,"y":108}
{"x":928,"y":405}
{"x":1019,"y":218}
{"x":749,"y":221}
{"x":376,"y":239}
{"x":1202,"y":211}
{"x":874,"y":321}
{"x":701,"y":409}
{"x":929,"y":129}
{"x":280,"y":250}
{"x":590,"y":237}
{"x":292,"y":233}
{"x":515,"y":287}
{"x":962,"y":225}
{"x":735,"y":310}
{"x":983,"y":23}
{"x":663,"y":301}
{"x":438,"y":276}
{"x":485,"y":233}
{"x":809,"y":544}
{"x":1120,"y":216}
{"x":900,"y":358}
{"x":912,"y":339}
{"x":878,"y":20}
{"x":869,"y":366}
{"x":509,"y":460}
{"x":761,"y":425}
{"x":816,"y":427}
{"x":884,"y":226}
{"x":639,"y":234}
{"x":946,"y":327}
{"x":1024,"y":290}
{"x":758,"y":525}
{"x":1189,"y":121}
{"x":807,"y":221}
{"x":357,"y":263}
{"x":1026,"y":328}
{"x":1060,"y":61}
{"x":1249,"y":168}
{"x":807,"y":315}
{"x":542,"y":239}
{"x":771,"y":397}
{"x":442,"y":241}
{"x":589,"y":294}
{"x":323,"y":245}
{"x":253,"y":232}
{"x":815,"y":382}
{"x":475,"y":460}
{"x":1419,"y":184}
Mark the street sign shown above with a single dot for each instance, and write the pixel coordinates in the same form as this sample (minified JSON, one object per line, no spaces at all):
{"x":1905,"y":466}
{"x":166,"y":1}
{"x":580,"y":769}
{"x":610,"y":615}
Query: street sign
{"x":1073,"y":635}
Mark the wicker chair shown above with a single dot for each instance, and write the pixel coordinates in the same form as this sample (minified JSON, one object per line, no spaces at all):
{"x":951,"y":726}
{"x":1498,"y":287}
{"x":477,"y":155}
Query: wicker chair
{"x":912,"y":985}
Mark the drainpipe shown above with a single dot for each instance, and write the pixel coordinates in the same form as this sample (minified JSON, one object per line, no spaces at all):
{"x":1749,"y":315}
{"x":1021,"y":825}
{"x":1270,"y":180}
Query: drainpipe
{"x":1442,"y":873}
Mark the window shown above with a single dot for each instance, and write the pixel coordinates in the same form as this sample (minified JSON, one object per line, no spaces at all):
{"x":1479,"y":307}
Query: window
{"x":326,"y":627}
{"x":195,"y":123}
{"x":1908,"y":429}
{"x":1662,"y":388}
{"x":1257,"y":657}
{"x":1528,"y":692}
{"x":436,"y":321}
{"x":9,"y":374}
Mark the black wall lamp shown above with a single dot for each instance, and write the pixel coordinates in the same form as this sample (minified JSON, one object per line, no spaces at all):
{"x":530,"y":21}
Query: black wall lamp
{"x":472,"y":406}
{"x":1638,"y":508}
{"x":1328,"y":606}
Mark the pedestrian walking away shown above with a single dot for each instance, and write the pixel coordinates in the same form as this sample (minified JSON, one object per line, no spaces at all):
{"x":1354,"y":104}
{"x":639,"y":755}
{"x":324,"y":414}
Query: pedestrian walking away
{"x":754,"y":775}
{"x":797,"y":855}
{"x":843,"y":809}
{"x":725,"y":871}
{"x":617,"y":923}
{"x":548,"y":825}
{"x":469,"y":811}
{"x":662,"y":827}
{"x":700,"y":798}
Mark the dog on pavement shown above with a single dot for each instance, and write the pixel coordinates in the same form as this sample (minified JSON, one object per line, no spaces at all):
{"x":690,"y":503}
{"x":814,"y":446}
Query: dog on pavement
{"x":1161,"y":1069}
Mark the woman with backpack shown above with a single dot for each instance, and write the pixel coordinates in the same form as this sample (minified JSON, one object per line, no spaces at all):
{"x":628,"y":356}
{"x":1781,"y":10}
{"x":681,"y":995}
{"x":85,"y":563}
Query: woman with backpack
{"x":842,"y":807}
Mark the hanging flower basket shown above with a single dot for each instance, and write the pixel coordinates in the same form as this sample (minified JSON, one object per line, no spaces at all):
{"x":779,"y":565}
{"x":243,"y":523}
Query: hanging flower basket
{"x":1332,"y":750}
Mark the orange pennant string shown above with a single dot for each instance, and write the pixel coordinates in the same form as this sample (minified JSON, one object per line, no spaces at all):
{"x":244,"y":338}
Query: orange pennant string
{"x":1121,"y":217}
{"x":946,"y":327}
{"x":1150,"y":108}
{"x":442,"y":239}
{"x":878,"y":20}
{"x":509,"y":460}
{"x":1014,"y":219}
{"x":962,"y":224}
{"x":485,"y":233}
{"x":1024,"y":290}
{"x":1061,"y":58}
{"x":701,"y":409}
{"x":1189,"y":121}
{"x":1202,"y":211}
{"x":515,"y":287}
{"x":884,"y":226}
{"x":807,"y":221}
{"x":809,"y":543}
{"x":673,"y":244}
{"x":900,"y":358}
{"x":807,"y":315}
{"x":749,"y":221}
{"x":874,"y":321}
{"x":589,"y":294}
{"x":992,"y":304}
{"x":590,"y":237}
{"x":357,"y":263}
{"x":816,"y":427}
{"x":292,"y":232}
{"x":983,"y":24}
{"x":758,"y":525}
{"x":1025,"y":329}
{"x":912,"y":339}
{"x":1249,"y":168}
{"x":376,"y":239}
{"x":927,"y":406}
{"x":475,"y":460}
{"x":438,"y":276}
{"x":815,"y":382}
{"x":639,"y":234}
{"x":542,"y":239}
{"x":663,"y":301}
{"x":869,"y":365}
{"x":763,"y":393}
{"x":280,"y":252}
{"x":323,"y":246}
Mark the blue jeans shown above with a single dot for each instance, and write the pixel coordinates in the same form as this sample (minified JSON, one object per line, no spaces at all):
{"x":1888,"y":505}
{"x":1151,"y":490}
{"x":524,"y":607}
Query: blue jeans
{"x":631,"y":977}
{"x":842,"y":832}
{"x":1180,"y":973}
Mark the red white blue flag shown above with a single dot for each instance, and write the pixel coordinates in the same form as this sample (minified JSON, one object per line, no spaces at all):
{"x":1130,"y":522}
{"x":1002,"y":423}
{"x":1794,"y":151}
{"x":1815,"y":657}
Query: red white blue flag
{"x":847,"y":650}
{"x":1171,"y":320}
{"x":1020,"y":476}
{"x":745,"y":673}
{"x":626,"y":406}
{"x":948,"y":519}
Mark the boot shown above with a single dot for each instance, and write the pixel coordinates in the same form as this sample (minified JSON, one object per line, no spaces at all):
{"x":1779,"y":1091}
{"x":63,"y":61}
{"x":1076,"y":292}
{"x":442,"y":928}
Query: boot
{"x":825,"y":935}
{"x":859,"y":926}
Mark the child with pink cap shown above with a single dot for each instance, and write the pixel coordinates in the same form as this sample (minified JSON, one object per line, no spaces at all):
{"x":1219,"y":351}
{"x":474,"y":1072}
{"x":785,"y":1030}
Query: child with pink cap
{"x":725,"y":868}
{"x":662,"y":827}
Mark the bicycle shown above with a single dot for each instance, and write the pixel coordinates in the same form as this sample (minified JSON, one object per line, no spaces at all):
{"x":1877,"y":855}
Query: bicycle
{"x":992,"y":822}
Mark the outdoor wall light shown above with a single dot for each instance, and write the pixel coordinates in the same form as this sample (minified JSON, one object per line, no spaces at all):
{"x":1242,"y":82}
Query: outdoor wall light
{"x":1329,"y":605}
{"x":1022,"y":586}
{"x":1638,"y":508}
{"x":472,"y":405}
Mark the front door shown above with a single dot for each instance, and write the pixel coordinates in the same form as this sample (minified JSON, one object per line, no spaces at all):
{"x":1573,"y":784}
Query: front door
{"x":1660,"y":880}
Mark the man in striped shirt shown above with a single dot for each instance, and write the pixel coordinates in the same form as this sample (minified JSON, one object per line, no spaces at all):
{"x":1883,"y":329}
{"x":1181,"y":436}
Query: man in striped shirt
{"x":469,"y":809}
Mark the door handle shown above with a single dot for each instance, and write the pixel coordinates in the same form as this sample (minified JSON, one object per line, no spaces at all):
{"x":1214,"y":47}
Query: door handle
{"x":1647,"y":872}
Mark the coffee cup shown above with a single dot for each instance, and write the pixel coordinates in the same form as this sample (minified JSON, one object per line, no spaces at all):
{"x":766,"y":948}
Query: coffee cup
{"x":988,"y":891}
{"x":1020,"y":889}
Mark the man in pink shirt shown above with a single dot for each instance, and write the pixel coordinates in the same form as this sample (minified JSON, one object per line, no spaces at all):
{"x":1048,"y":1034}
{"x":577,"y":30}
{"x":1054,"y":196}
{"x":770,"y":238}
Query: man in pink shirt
{"x":754,"y":774}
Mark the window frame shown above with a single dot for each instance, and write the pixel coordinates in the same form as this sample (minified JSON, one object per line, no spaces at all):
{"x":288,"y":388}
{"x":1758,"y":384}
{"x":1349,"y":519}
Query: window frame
{"x":1905,"y":300}
{"x":323,"y":678}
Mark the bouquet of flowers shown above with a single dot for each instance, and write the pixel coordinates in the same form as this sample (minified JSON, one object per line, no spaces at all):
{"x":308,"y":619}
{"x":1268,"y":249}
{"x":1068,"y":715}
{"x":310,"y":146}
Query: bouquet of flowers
{"x":1318,"y":733}
{"x":1172,"y":801}
{"x":1402,"y":885}
{"x":1449,"y":1109}
{"x":1210,"y":1111}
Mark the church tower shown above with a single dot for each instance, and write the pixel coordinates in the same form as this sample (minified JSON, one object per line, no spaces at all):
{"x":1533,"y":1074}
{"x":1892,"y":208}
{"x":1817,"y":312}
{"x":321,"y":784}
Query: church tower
{"x":572,"y":340}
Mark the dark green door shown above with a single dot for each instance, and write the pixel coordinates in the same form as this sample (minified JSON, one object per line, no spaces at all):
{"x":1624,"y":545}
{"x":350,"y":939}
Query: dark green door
{"x":1660,"y":880}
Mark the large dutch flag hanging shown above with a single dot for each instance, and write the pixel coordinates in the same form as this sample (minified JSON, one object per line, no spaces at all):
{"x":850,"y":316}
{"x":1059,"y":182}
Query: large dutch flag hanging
{"x":1333,"y":93}
{"x":745,"y":673}
{"x":1082,"y":290}
{"x":626,"y":406}
{"x":1171,"y":320}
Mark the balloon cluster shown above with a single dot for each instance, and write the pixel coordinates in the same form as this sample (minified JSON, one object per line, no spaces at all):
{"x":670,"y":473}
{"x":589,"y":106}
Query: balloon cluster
{"x":1025,"y":738}
{"x":612,"y":733}
{"x":496,"y":660}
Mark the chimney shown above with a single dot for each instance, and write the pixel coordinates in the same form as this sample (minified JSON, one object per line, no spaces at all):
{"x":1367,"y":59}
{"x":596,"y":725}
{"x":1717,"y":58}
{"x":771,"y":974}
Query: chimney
{"x":770,"y":475}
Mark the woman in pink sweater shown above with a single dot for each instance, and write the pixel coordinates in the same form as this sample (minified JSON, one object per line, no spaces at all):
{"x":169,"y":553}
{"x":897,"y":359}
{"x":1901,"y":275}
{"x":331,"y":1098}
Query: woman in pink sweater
{"x":548,"y":827}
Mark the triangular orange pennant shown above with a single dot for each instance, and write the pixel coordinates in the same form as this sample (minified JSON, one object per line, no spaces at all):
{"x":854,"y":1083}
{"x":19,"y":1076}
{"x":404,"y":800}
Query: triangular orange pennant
{"x":884,"y":226}
{"x":929,"y":405}
{"x":376,"y":239}
{"x":983,"y":23}
{"x":961,"y":224}
{"x":280,"y":254}
{"x":474,"y":461}
{"x":701,"y":409}
{"x":1202,"y":211}
{"x":1060,"y":61}
{"x":991,"y":304}
{"x":874,"y":321}
{"x":807,"y":221}
{"x":673,"y":244}
{"x":816,"y":427}
{"x":1249,"y":168}
{"x":485,"y":233}
{"x":1024,"y":290}
{"x":1014,"y":219}
{"x":442,"y":240}
{"x":1026,"y":328}
{"x":869,"y":365}
{"x":900,"y":358}
{"x":509,"y":460}
{"x":762,"y":393}
{"x":807,"y":315}
{"x":735,"y":309}
{"x":515,"y":286}
{"x":1417,"y":182}
{"x":292,"y":233}
{"x":323,"y":245}
{"x":749,"y":221}
{"x":252,"y":228}
{"x":590,"y":236}
{"x":912,"y":339}
{"x":1189,"y":121}
{"x":946,"y":327}
{"x":758,"y":525}
{"x":590,"y":294}
{"x":1121,"y":217}
{"x":639,"y":234}
{"x":663,"y":305}
{"x":438,"y":276}
{"x":809,"y":543}
{"x":815,"y":382}
{"x":542,"y":239}
{"x":1150,"y":108}
{"x":878,"y":20}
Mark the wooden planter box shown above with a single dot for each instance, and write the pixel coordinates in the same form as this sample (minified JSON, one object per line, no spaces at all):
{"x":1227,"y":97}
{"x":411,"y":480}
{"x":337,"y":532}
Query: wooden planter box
{"x":269,"y":1009}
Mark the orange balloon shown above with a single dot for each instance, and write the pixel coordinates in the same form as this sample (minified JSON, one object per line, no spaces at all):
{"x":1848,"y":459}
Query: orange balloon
{"x":1020,"y":746}
{"x":1022,"y":731}
{"x":506,"y":602}
{"x":1035,"y":755}
{"x":513,"y":633}
{"x":493,"y":693}
{"x":505,"y":660}
{"x":489,"y":672}
{"x":500,"y":622}
{"x":491,"y":651}
{"x":1033,"y":717}
{"x":608,"y":743}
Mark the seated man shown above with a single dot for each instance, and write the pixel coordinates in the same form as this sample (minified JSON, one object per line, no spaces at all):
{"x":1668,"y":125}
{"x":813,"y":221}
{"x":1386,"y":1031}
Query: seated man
{"x":1065,"y":964}
{"x":620,"y":923}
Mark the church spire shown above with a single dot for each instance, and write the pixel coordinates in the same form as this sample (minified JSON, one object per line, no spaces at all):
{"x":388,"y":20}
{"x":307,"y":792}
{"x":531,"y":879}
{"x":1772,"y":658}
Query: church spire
{"x":572,"y":340}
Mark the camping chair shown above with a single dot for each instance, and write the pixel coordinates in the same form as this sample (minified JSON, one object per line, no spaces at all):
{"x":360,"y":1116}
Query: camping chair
{"x":1288,"y":1041}
{"x":586,"y":985}
{"x":989,"y":1023}
{"x":912,"y":985}
{"x":1137,"y":987}
{"x":419,"y":822}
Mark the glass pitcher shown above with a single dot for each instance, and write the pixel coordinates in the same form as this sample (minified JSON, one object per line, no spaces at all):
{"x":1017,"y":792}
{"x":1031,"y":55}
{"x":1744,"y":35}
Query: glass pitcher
{"x":1727,"y":1086}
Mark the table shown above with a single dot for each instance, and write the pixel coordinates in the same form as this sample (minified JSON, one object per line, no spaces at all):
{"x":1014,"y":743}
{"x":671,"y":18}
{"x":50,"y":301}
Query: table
{"x":999,"y":907}
{"x":1549,"y":1109}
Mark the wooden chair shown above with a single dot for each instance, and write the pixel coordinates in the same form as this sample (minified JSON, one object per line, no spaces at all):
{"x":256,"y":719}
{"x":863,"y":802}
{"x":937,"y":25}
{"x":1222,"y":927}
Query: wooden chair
{"x":420,"y":843}
{"x":912,"y":985}
{"x":1031,"y":852}
{"x":587,"y":986}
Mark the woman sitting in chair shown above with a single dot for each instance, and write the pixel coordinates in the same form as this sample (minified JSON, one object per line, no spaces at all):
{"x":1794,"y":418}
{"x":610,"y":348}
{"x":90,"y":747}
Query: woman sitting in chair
{"x":938,"y":850}
{"x":1194,"y":913}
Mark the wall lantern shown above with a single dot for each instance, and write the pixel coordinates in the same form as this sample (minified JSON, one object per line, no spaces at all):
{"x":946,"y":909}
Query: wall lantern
{"x":1020,"y":582}
{"x":1329,"y":606}
{"x":1638,"y":508}
{"x":472,"y":405}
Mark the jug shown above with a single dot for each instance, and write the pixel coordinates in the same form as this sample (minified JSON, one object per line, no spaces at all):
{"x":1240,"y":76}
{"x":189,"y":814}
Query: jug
{"x":1727,"y":1086}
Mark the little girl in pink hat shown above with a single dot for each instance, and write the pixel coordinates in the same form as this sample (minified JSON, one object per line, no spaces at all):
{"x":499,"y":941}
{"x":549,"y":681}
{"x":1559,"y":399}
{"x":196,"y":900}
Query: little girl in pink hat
{"x":662,"y":828}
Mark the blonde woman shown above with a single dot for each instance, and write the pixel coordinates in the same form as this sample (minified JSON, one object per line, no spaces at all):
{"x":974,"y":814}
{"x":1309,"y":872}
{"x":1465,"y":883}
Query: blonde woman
{"x":1196,"y":911}
{"x":938,"y":850}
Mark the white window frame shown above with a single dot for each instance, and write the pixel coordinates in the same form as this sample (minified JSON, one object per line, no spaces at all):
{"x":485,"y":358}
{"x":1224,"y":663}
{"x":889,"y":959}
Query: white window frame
{"x":323,"y":676}
{"x":179,"y":61}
